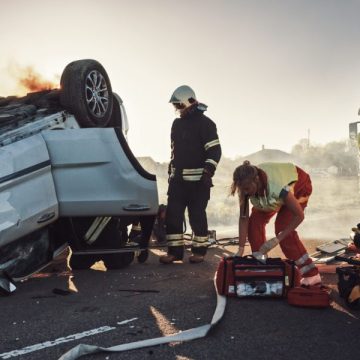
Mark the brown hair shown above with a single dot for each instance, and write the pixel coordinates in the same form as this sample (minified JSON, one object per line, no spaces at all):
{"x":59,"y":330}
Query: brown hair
{"x":246,"y":171}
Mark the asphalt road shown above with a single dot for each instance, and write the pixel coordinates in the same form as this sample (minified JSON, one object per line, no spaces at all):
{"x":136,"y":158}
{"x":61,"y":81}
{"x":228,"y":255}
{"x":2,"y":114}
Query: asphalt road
{"x":109,"y":308}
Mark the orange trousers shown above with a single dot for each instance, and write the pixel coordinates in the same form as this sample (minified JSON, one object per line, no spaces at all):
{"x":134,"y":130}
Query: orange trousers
{"x":291,"y":246}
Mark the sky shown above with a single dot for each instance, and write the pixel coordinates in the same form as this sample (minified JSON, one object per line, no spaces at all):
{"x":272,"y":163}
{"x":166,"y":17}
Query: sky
{"x":272,"y":72}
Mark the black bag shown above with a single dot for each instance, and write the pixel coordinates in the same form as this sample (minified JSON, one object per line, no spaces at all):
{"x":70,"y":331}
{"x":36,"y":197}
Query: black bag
{"x":349,"y":285}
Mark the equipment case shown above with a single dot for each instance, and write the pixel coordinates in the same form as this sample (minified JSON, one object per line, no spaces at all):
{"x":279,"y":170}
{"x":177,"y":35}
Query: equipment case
{"x":309,"y":296}
{"x":248,"y":277}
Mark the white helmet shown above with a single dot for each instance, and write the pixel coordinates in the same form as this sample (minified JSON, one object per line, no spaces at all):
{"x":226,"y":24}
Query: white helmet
{"x":183,"y":95}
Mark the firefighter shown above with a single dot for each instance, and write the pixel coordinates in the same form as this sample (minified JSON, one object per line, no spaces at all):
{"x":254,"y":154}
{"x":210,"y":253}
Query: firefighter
{"x":195,"y":154}
{"x":274,"y":188}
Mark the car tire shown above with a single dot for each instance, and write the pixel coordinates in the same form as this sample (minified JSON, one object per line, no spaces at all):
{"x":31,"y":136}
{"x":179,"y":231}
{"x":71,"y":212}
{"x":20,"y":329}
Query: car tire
{"x":86,"y":92}
{"x":81,"y":262}
{"x":113,"y":236}
{"x":118,"y":261}
{"x":143,"y":256}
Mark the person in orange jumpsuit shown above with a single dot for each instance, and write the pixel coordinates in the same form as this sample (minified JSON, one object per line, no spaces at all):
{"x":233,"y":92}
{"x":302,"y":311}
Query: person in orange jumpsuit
{"x":274,"y":188}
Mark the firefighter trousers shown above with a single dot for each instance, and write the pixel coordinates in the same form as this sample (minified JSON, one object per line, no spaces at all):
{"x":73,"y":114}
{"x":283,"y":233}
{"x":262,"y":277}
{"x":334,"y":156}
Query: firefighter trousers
{"x":194,"y":196}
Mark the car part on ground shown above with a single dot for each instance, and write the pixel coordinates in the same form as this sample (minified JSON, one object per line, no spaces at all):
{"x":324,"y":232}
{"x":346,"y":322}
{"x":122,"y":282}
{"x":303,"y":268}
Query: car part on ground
{"x":7,"y":286}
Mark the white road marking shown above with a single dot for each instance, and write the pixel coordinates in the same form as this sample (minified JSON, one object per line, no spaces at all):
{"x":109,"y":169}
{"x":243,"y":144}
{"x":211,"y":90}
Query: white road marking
{"x":55,"y":342}
{"x":126,"y":321}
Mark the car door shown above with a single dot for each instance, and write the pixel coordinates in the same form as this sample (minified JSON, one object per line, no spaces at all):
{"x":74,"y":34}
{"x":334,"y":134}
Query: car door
{"x":27,"y":192}
{"x":95,"y":173}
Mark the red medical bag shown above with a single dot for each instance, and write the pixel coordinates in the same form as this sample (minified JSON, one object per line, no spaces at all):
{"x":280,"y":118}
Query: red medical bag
{"x":248,"y":277}
{"x":309,"y":296}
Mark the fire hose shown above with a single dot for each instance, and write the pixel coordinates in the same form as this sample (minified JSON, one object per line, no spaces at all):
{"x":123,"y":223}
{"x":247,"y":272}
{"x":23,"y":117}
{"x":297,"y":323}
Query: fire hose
{"x":186,"y":335}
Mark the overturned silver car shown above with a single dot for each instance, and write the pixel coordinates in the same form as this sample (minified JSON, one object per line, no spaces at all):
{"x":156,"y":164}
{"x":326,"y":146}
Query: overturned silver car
{"x":68,"y":177}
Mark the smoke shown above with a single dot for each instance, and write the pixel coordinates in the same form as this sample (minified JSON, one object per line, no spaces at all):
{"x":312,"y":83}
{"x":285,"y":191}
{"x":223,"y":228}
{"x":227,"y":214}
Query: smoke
{"x":27,"y":79}
{"x":32,"y":81}
{"x":333,"y":208}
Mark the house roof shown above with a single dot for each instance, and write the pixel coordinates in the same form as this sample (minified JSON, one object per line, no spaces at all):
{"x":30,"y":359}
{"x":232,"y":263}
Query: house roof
{"x":269,"y":155}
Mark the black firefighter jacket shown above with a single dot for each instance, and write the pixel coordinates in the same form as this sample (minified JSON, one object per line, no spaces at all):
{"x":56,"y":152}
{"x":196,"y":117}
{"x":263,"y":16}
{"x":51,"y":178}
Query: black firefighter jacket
{"x":195,"y":145}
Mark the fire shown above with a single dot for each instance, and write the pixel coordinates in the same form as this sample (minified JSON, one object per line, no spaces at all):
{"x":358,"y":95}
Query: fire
{"x":31,"y":81}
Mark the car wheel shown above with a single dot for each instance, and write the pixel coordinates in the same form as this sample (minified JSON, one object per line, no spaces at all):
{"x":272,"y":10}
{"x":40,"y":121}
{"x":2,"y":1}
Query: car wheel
{"x":113,"y":236}
{"x":143,"y":256}
{"x":81,"y":262}
{"x":86,"y":92}
{"x":118,"y":261}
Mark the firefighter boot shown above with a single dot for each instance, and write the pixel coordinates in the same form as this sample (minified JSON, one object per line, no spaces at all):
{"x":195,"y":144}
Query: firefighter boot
{"x":174,"y":253}
{"x":169,"y":258}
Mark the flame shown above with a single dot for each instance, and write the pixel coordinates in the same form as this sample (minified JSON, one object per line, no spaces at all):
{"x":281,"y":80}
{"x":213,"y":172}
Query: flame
{"x":29,"y":80}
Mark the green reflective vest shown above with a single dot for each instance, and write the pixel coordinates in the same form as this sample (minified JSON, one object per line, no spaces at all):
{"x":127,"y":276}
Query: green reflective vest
{"x":281,"y":177}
